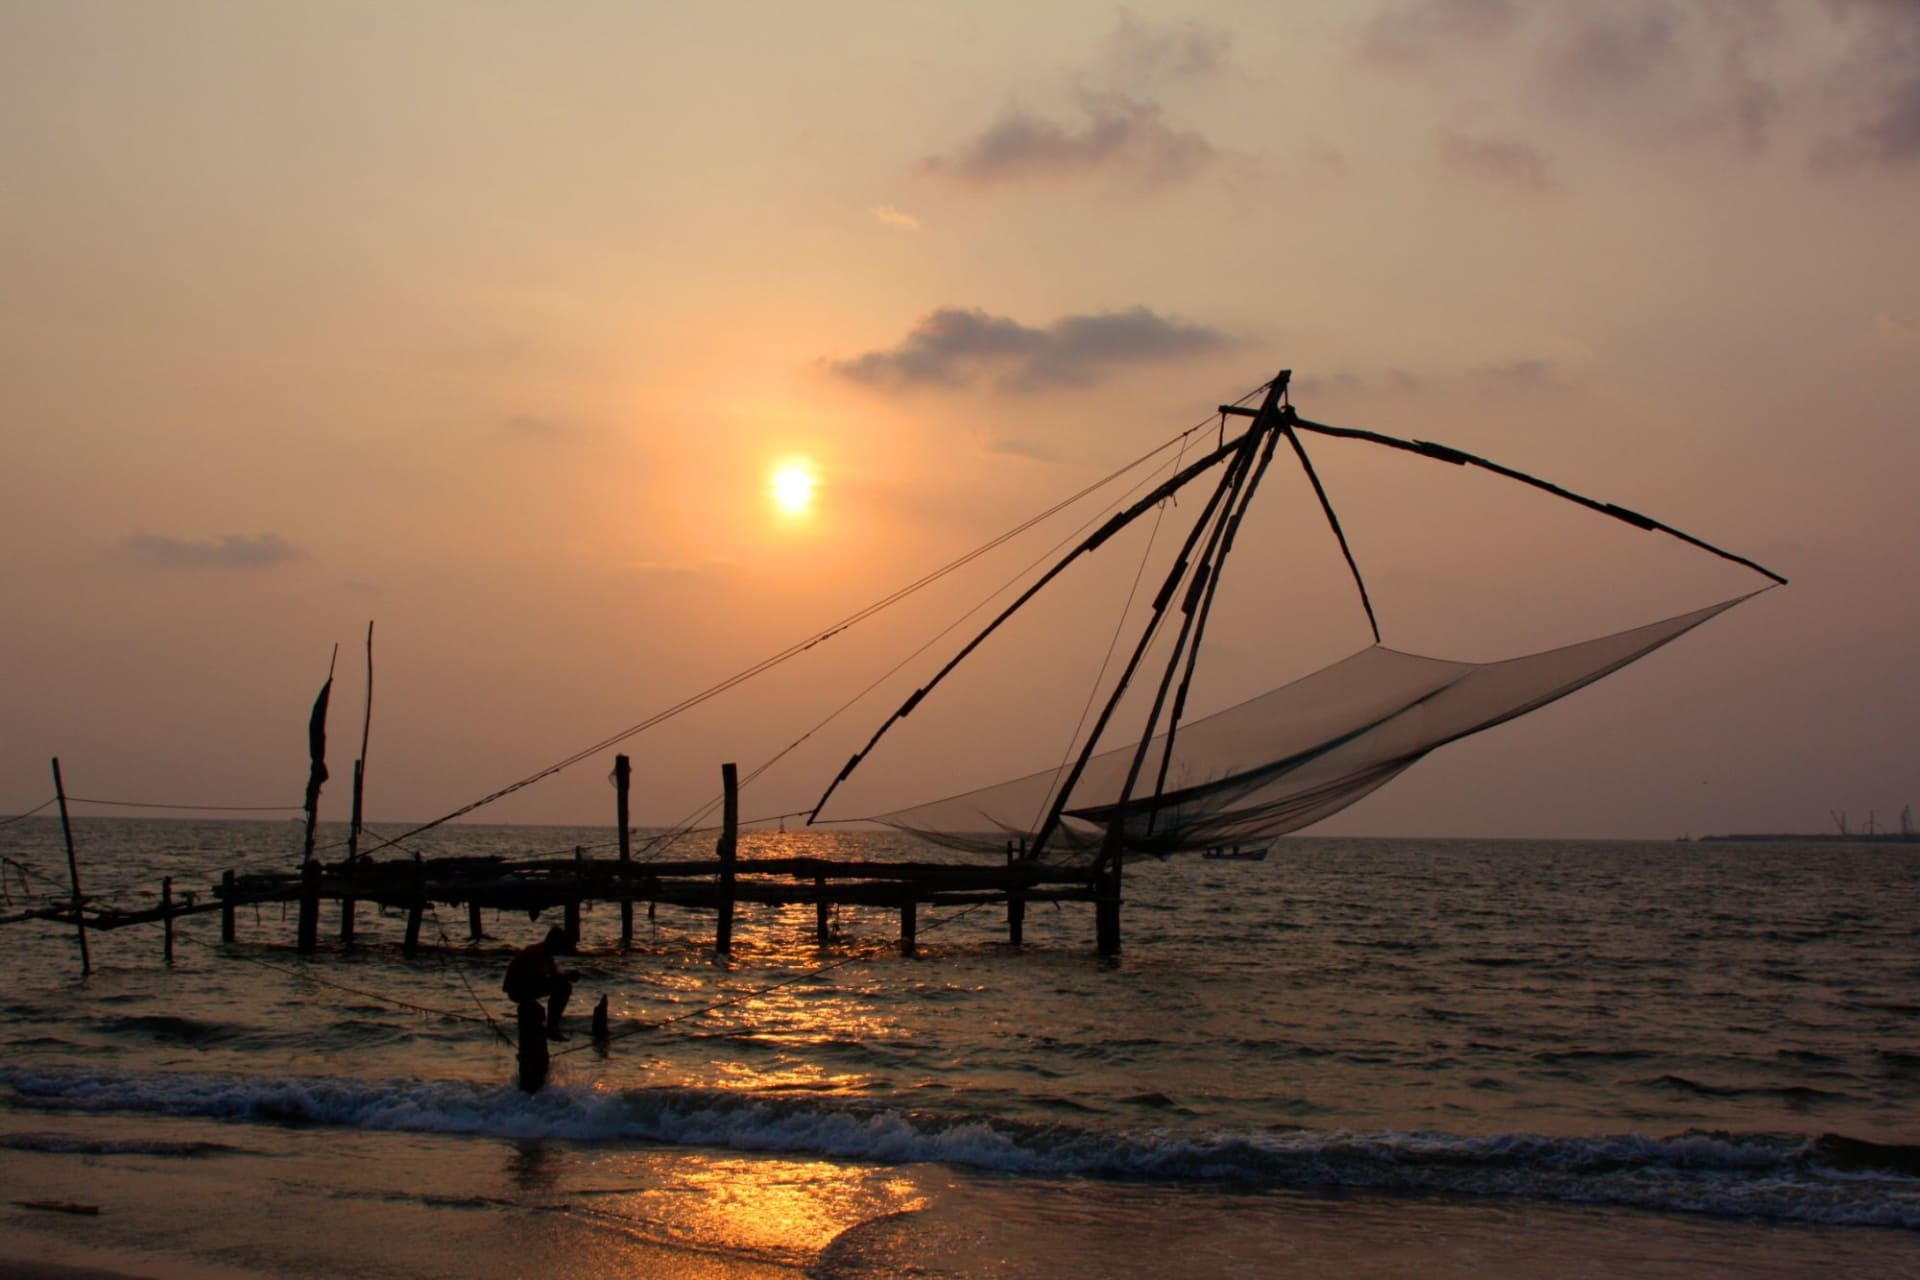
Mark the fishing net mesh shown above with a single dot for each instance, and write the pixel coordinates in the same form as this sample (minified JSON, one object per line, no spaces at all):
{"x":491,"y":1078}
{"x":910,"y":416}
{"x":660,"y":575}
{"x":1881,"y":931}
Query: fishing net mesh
{"x":1288,"y":758}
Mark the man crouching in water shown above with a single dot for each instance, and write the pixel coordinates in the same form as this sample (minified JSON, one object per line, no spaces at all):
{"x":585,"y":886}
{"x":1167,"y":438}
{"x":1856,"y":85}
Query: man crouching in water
{"x":532,"y":976}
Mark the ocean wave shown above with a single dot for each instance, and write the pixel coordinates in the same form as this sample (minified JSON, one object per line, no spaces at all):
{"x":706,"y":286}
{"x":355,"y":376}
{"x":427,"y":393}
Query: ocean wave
{"x":67,"y":1144}
{"x":1774,"y":1177}
{"x":1794,"y":1094}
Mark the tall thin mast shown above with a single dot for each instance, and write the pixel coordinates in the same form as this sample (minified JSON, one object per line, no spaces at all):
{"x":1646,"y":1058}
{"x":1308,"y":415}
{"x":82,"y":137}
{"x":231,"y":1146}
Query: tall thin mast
{"x":1265,"y":422}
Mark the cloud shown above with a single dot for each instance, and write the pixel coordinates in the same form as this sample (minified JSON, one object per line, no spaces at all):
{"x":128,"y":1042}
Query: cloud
{"x":1883,"y":70}
{"x":1884,"y":61}
{"x":1322,"y":384}
{"x":1893,"y":331}
{"x":233,"y":551}
{"x":953,"y":346}
{"x":1141,"y":53}
{"x":1017,"y":447}
{"x":1526,"y":373}
{"x":1414,"y":33}
{"x":1509,"y":162}
{"x":1117,"y":126}
{"x":1846,"y":72}
{"x":1616,"y":49}
{"x":1891,"y":135}
{"x":894,"y":217}
{"x":1118,"y":135}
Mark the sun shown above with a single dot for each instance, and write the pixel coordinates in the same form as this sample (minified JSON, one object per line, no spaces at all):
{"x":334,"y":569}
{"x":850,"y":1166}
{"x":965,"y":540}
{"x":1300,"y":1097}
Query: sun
{"x":793,"y":485}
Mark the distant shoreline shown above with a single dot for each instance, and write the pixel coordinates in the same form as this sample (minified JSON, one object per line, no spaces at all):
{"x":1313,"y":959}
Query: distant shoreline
{"x":1801,"y":837}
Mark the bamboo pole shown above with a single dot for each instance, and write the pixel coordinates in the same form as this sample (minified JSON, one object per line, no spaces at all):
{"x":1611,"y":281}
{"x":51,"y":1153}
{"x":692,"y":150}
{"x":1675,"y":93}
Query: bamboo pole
{"x":226,"y":905}
{"x":308,"y":937}
{"x":73,"y":869}
{"x":348,"y":902}
{"x":622,"y":784}
{"x":729,"y":843}
{"x":418,"y":905}
{"x":359,"y":765}
{"x":1016,"y":900}
{"x":571,"y":911}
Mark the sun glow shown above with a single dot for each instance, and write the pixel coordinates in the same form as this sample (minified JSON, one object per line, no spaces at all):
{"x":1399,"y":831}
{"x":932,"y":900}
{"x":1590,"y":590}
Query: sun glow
{"x":793,"y":485}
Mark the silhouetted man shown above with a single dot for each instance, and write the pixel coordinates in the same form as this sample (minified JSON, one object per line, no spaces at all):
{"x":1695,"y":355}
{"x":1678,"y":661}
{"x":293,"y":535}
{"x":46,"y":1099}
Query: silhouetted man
{"x":532,"y":976}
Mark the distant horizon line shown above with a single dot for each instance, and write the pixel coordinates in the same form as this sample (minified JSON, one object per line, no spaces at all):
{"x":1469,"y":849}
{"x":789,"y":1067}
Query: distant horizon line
{"x":1785,"y":837}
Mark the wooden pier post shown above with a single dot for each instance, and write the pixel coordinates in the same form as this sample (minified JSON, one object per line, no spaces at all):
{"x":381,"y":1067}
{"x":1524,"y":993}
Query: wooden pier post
{"x":1016,"y":900}
{"x":729,"y":842}
{"x":1106,"y":910}
{"x":359,"y":790}
{"x":73,"y":869}
{"x":226,"y":905}
{"x":820,"y":931}
{"x":309,"y":935}
{"x":622,"y":785}
{"x":571,"y":920}
{"x":166,"y":915}
{"x":474,"y":933}
{"x":348,"y":903}
{"x":415,"y":907}
{"x":909,"y":925}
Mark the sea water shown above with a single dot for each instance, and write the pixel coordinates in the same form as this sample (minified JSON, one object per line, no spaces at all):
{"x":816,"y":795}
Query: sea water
{"x":1371,"y":1057}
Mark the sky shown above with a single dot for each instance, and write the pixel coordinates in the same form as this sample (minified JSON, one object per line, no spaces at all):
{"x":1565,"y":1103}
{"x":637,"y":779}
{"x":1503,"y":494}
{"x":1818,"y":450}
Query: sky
{"x":490,"y":325}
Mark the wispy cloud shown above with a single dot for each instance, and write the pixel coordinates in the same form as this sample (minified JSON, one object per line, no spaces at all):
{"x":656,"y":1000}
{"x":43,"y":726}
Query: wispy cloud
{"x":1509,"y":162}
{"x":1017,"y":447}
{"x":1427,"y":29}
{"x":894,"y":217}
{"x":233,"y":551}
{"x":1845,"y":73}
{"x":1117,"y":127}
{"x":1520,"y":373}
{"x":1141,"y":53}
{"x":1120,"y":136}
{"x":1524,"y":373}
{"x":1893,"y":331}
{"x":1883,"y":70}
{"x":1609,"y":50}
{"x":953,"y":346}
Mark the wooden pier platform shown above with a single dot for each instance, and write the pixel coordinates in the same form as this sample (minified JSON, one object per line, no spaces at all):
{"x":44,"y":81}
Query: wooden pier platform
{"x":714,"y":885}
{"x":534,"y":885}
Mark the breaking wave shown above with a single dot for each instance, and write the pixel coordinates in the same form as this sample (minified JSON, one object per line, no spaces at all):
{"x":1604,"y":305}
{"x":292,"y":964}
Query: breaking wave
{"x":1773,"y":1177}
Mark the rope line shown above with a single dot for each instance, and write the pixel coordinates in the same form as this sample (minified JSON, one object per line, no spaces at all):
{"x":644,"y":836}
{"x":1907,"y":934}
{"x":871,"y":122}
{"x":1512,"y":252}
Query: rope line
{"x":19,"y":817}
{"x":1113,"y":645}
{"x":799,"y":647}
{"x":1044,"y":557}
{"x":198,"y":808}
{"x":310,"y":976}
{"x":441,"y":956}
